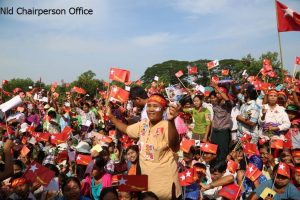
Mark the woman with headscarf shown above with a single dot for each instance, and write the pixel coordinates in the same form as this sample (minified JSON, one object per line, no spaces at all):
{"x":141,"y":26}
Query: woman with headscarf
{"x":158,"y":141}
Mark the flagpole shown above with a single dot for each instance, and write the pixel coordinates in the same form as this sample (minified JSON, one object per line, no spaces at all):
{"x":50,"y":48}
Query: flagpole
{"x":279,"y":41}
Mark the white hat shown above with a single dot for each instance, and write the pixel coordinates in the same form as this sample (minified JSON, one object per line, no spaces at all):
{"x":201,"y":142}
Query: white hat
{"x":83,"y":147}
{"x":67,"y":104}
{"x":62,"y":146}
{"x":24,"y":127}
{"x":47,"y":106}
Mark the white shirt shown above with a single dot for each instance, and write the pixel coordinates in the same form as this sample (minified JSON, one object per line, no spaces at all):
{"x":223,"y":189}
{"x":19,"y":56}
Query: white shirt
{"x":276,"y":115}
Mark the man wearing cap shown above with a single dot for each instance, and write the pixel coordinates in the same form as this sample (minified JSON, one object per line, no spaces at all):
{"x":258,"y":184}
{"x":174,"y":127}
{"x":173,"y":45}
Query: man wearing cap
{"x":158,"y":140}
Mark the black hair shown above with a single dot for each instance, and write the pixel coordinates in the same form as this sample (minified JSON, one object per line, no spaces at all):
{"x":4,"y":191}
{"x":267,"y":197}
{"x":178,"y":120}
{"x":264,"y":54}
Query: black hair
{"x":212,"y":93}
{"x":68,"y":180}
{"x":199,"y":97}
{"x":19,"y":163}
{"x":218,"y":166}
{"x":185,"y":100}
{"x":107,"y":190}
{"x":134,"y":148}
{"x":100,"y":162}
{"x":52,"y":114}
{"x":251,"y":92}
{"x":149,"y":194}
{"x":137,"y":91}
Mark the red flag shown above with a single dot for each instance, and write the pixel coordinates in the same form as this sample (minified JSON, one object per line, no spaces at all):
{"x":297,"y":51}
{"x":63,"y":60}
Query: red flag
{"x":182,"y":179}
{"x":120,"y":75}
{"x":119,"y":94}
{"x":284,"y":169}
{"x":54,"y":85}
{"x":106,"y":139}
{"x":232,"y":166}
{"x":288,"y":79}
{"x":250,"y":148}
{"x":24,"y":150}
{"x":83,"y":159}
{"x":212,"y":64}
{"x":246,"y":137}
{"x":179,"y":74}
{"x":38,"y":173}
{"x":225,"y":72}
{"x":297,"y":60}
{"x":272,"y":74}
{"x":252,"y":172}
{"x":230,"y":192}
{"x":78,"y":90}
{"x":215,"y":79}
{"x":138,"y":82}
{"x":209,"y":148}
{"x":287,"y":19}
{"x":186,"y":144}
{"x":193,"y":70}
{"x":266,"y":62}
{"x":17,"y":90}
{"x":4,"y":82}
{"x":128,"y":183}
{"x":62,"y":137}
{"x":41,"y":137}
{"x":277,"y":144}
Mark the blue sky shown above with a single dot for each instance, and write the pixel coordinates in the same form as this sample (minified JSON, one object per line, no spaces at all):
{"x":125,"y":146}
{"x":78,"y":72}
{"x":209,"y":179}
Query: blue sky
{"x":136,"y":34}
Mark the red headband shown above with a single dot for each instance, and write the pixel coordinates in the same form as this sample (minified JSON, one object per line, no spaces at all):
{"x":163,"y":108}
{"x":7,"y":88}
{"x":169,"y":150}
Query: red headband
{"x":272,"y":92}
{"x":157,"y":99}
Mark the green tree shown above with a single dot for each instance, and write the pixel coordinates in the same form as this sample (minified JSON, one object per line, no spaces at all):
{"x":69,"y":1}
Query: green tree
{"x":88,"y":82}
{"x":18,"y":83}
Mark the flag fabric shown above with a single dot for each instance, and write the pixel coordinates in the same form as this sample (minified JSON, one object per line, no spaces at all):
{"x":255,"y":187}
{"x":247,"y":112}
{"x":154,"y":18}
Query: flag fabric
{"x":138,"y":82}
{"x":252,"y":172}
{"x":24,"y":150}
{"x":230,"y":192}
{"x":187,"y":177}
{"x":119,"y":94}
{"x":83,"y":159}
{"x":277,"y":144}
{"x":212,"y":64}
{"x":179,"y":74}
{"x":225,"y":72}
{"x":192,"y":70}
{"x":215,"y":79}
{"x":250,"y":148}
{"x":287,"y":19}
{"x":284,"y":169}
{"x":209,"y":148}
{"x":232,"y":166}
{"x":297,"y":60}
{"x":38,"y":173}
{"x":186,"y":144}
{"x":41,"y":137}
{"x":4,"y":82}
{"x":120,"y":75}
{"x":78,"y":90}
{"x":246,"y":137}
{"x":62,"y":137}
{"x":130,"y":183}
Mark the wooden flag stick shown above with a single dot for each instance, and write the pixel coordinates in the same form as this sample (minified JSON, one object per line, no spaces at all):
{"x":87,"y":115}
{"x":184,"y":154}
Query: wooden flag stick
{"x":182,"y":83}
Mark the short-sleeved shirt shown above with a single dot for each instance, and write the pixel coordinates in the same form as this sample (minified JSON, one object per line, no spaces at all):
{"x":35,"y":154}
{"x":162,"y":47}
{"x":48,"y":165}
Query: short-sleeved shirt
{"x":156,"y":157}
{"x":201,"y":119}
{"x":222,"y":116}
{"x":290,"y":191}
{"x":249,"y":110}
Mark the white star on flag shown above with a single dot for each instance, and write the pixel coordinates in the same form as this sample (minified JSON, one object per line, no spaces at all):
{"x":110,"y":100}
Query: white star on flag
{"x":182,"y":177}
{"x":250,"y":169}
{"x":78,"y":157}
{"x":188,"y":174}
{"x":52,"y":137}
{"x":122,"y":181}
{"x":112,"y":71}
{"x":37,"y":135}
{"x":33,"y":168}
{"x":206,"y":145}
{"x":281,"y":166}
{"x":288,"y":12}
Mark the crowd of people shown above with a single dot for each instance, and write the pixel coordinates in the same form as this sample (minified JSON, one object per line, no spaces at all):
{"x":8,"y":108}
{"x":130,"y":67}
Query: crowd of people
{"x":231,"y":141}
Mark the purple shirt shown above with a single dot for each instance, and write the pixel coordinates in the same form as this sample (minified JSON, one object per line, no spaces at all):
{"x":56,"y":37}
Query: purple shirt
{"x":33,"y":119}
